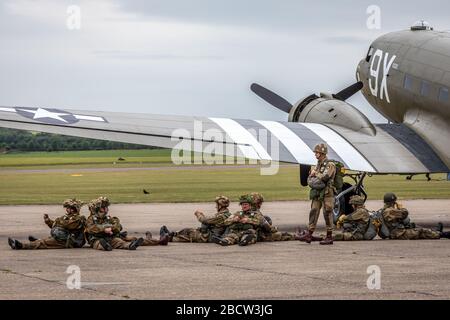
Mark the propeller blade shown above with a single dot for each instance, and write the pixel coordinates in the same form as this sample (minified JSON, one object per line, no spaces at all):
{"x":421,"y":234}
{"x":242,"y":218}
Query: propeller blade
{"x":349,"y":91}
{"x":271,"y":97}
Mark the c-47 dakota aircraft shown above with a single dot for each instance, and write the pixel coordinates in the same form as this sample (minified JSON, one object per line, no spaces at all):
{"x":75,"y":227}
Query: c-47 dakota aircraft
{"x":405,"y":76}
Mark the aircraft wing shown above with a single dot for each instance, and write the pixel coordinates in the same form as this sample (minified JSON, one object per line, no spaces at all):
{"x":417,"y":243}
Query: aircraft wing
{"x":393,"y":149}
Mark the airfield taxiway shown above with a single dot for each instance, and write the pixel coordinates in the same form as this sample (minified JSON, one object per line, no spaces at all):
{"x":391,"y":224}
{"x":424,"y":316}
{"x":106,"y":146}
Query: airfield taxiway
{"x":277,"y":270}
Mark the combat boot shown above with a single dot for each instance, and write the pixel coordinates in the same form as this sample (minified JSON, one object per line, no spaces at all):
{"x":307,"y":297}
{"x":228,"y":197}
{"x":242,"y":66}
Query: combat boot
{"x":136,"y":243}
{"x":306,"y":236}
{"x":15,"y":244}
{"x":164,"y":240}
{"x":298,"y":233}
{"x":219,"y":240}
{"x":246,"y":239}
{"x":31,"y":238}
{"x":163,"y":231}
{"x":106,"y":245}
{"x":445,"y":234}
{"x":328,"y":239}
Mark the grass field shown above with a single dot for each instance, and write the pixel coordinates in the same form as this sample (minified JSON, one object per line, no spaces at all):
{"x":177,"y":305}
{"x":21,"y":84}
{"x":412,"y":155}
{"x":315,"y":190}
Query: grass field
{"x":167,"y":183}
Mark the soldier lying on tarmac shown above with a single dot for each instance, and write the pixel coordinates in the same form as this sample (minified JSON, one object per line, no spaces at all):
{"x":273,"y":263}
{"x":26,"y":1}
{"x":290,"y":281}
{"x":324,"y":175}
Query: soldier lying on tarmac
{"x":243,"y":225}
{"x":210,"y":226}
{"x":103,"y":231}
{"x":397,"y":224}
{"x":271,"y":233}
{"x":66,"y":231}
{"x":357,"y":225}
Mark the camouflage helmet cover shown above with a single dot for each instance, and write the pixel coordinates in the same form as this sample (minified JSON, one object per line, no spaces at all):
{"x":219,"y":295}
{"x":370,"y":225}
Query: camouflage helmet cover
{"x":257,"y":198}
{"x":389,"y":197}
{"x":92,"y":206}
{"x":100,"y":202}
{"x":357,"y":200}
{"x":246,"y":198}
{"x":222,"y":201}
{"x":321,"y":148}
{"x":73,"y":203}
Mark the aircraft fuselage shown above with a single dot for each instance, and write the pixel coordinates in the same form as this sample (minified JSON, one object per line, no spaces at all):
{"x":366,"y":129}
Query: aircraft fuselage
{"x":406,"y":77}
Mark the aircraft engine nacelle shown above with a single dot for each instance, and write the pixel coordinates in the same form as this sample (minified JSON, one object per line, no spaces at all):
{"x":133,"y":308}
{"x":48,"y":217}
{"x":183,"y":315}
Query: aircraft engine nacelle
{"x":328,"y":110}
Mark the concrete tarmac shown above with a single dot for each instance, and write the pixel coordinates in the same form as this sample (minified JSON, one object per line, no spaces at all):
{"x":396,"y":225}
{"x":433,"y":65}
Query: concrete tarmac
{"x":277,"y":270}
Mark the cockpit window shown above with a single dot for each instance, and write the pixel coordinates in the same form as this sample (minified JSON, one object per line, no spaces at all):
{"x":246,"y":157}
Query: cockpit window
{"x":369,"y":54}
{"x":443,"y":94}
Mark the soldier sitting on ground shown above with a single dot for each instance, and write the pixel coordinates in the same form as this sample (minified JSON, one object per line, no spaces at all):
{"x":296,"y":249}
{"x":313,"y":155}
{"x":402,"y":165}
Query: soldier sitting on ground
{"x":270,"y":233}
{"x":67,"y":231}
{"x":103,"y":231}
{"x":148,"y":240}
{"x":243,"y":225}
{"x":400,"y":227}
{"x":210,"y":226}
{"x":355,"y":225}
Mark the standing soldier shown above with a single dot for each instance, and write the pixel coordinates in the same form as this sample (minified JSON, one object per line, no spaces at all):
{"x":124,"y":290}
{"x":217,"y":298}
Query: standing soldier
{"x":321,"y":180}
{"x":210,"y":226}
{"x":103,"y":231}
{"x":243,"y":225}
{"x":355,"y":224}
{"x":266,"y":234}
{"x":67,"y":231}
{"x":400,"y":226}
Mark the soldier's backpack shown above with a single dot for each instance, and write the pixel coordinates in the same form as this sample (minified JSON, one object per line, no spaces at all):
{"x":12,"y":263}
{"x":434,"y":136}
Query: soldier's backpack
{"x":71,"y":240}
{"x":372,"y":229}
{"x":339,"y":176}
{"x":383,"y":230}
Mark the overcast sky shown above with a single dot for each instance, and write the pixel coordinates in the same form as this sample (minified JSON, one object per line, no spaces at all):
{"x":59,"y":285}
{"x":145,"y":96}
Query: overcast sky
{"x":194,"y":57}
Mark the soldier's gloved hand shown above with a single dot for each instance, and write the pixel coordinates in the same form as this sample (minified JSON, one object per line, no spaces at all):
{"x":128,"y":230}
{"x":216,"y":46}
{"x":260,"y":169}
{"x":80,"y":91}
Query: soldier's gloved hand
{"x":236,"y":218}
{"x":244,"y":220}
{"x":108,"y":230}
{"x":340,"y":221}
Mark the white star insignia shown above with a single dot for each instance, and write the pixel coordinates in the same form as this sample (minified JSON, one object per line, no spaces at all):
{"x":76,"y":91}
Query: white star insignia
{"x":42,"y":113}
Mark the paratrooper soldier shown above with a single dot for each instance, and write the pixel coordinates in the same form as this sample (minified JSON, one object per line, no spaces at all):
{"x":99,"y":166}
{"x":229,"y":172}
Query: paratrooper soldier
{"x":399,"y":225}
{"x":355,"y":224}
{"x":103,"y":231}
{"x":67,"y":231}
{"x":321,"y":180}
{"x":264,"y":234}
{"x":242,"y":225}
{"x":210,"y":226}
{"x":148,"y":240}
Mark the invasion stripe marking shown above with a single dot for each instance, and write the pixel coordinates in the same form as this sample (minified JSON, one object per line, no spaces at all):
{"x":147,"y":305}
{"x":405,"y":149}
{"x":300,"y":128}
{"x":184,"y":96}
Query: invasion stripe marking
{"x":8,"y":109}
{"x":416,"y":145}
{"x":345,"y":150}
{"x":240,"y":135}
{"x":299,"y":150}
{"x":311,"y":139}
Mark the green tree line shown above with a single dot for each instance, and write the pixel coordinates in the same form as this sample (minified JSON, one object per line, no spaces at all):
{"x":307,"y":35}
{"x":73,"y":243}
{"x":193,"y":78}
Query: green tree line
{"x":19,"y":140}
